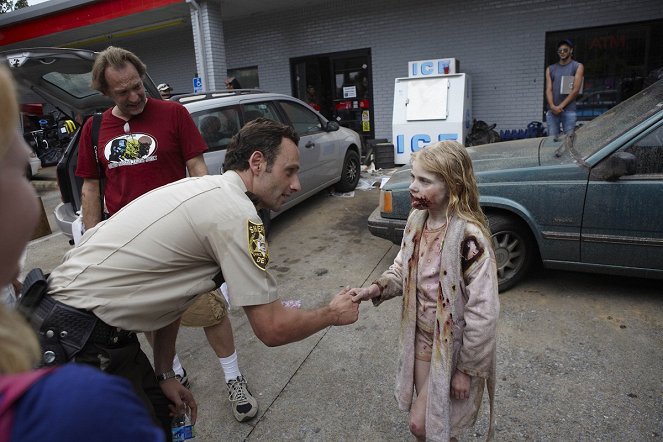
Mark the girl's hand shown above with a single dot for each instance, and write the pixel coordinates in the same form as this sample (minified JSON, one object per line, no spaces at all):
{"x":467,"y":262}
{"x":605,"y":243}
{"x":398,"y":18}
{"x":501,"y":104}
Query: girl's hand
{"x":364,"y":294}
{"x":460,"y":385}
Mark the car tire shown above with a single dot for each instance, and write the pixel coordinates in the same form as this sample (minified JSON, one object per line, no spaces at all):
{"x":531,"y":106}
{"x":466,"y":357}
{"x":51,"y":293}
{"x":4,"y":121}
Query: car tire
{"x":514,"y":249}
{"x":350,"y":172}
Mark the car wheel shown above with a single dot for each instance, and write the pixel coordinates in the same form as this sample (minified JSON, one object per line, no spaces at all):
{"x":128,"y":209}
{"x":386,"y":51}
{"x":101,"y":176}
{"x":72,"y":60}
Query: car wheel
{"x":350,"y":172}
{"x":514,"y":249}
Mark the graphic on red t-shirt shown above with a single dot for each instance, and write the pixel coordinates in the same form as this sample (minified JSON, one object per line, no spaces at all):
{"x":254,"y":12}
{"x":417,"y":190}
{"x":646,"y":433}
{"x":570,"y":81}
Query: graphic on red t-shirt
{"x":130,"y":149}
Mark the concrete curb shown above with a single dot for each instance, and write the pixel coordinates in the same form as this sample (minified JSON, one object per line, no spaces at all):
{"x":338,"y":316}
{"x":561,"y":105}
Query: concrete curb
{"x":45,"y":184}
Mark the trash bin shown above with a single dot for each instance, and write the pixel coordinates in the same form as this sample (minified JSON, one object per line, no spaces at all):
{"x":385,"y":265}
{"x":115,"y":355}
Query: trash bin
{"x":369,"y":156}
{"x":384,"y":155}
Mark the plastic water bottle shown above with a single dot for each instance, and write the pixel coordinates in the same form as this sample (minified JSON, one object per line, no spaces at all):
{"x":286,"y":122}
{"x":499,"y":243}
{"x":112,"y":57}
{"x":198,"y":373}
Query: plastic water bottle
{"x":181,"y":428}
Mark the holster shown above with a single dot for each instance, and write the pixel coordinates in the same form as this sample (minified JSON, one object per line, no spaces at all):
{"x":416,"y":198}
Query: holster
{"x":62,"y":330}
{"x":35,"y":287}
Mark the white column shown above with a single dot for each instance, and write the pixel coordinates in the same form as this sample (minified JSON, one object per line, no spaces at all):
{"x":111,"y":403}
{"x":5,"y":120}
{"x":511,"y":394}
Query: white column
{"x":209,"y":42}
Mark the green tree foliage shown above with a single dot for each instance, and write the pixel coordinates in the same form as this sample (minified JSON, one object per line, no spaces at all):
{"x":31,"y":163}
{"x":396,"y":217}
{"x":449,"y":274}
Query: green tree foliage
{"x":10,"y":5}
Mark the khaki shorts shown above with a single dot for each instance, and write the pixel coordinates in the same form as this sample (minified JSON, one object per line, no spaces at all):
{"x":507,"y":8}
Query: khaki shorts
{"x":209,"y":309}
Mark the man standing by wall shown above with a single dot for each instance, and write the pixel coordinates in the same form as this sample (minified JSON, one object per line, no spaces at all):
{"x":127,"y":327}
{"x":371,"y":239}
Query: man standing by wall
{"x":560,"y":98}
{"x":144,"y":144}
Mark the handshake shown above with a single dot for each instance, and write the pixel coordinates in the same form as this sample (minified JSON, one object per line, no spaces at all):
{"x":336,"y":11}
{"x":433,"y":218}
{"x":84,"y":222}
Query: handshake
{"x":345,"y":305}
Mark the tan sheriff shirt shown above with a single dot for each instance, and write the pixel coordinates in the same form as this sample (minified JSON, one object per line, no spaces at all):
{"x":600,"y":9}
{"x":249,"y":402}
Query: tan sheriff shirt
{"x":144,"y":266}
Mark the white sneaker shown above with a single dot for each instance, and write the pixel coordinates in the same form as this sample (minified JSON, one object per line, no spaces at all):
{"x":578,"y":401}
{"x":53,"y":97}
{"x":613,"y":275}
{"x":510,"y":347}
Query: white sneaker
{"x":244,"y":405}
{"x":184,"y":379}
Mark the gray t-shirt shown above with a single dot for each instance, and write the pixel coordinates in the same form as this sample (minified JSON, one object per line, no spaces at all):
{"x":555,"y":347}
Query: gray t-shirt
{"x":557,"y":71}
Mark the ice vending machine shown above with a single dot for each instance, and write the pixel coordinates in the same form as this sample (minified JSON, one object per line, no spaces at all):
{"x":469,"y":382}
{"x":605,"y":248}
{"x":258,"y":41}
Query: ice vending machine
{"x":430,"y":109}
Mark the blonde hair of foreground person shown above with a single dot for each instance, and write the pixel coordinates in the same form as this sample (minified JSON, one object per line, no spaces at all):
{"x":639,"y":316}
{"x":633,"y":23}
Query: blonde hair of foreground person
{"x":19,"y":349}
{"x":18,"y":200}
{"x":8,"y":110}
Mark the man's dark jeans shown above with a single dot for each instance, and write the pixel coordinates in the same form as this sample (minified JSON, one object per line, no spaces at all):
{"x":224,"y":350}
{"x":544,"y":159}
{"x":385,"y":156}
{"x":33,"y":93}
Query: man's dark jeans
{"x":128,"y":361}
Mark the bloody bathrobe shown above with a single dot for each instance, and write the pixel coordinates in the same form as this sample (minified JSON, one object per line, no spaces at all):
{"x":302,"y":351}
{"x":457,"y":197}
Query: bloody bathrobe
{"x":464,"y":337}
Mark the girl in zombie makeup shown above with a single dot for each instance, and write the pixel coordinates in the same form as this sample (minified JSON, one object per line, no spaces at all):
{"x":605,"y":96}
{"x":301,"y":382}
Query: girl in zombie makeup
{"x":446,"y":274}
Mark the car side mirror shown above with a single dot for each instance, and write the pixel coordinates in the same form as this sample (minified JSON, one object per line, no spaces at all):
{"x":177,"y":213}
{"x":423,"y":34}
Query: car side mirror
{"x":615,"y":167}
{"x":332,"y":126}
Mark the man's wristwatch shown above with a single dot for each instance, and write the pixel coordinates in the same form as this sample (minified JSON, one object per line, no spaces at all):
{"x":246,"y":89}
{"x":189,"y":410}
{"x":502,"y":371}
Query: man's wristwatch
{"x":164,"y":376}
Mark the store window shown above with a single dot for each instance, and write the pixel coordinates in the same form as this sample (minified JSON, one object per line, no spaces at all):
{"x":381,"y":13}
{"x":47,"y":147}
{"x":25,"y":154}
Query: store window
{"x":619,"y":61}
{"x":247,"y":77}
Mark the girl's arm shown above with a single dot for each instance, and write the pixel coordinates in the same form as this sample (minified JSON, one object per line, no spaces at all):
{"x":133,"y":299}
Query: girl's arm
{"x":387,"y":286}
{"x":390,"y":283}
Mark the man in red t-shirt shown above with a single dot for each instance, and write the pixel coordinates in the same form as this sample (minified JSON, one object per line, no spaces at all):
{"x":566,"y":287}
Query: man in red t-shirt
{"x":145,"y":143}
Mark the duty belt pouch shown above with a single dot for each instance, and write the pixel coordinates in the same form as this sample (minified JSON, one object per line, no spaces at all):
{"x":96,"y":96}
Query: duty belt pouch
{"x":64,"y":332}
{"x":34,"y":289}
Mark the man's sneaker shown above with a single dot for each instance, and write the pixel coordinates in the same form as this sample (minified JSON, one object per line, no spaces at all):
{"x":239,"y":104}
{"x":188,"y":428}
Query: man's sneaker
{"x":243,"y":404}
{"x":184,"y":379}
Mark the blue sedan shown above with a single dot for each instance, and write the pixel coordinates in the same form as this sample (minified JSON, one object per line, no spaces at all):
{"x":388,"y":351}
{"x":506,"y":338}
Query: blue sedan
{"x":591,"y":202}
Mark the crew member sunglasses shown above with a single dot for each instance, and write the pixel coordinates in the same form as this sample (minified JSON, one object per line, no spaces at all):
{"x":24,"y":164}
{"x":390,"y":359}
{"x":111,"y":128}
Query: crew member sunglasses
{"x":562,"y":51}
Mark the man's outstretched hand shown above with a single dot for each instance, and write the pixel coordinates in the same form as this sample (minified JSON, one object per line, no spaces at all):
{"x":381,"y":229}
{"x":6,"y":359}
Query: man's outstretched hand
{"x":345,"y":311}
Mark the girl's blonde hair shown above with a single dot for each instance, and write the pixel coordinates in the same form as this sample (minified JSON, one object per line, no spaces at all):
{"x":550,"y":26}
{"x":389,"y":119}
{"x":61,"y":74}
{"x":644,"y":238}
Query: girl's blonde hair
{"x":8,"y":110}
{"x":19,"y":348}
{"x":451,"y":163}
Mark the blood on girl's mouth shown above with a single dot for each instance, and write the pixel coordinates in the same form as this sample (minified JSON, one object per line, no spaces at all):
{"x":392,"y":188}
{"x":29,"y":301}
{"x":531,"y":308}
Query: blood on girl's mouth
{"x":419,"y":203}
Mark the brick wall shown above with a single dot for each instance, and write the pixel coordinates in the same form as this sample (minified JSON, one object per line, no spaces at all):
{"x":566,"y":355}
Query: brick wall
{"x":500,"y":44}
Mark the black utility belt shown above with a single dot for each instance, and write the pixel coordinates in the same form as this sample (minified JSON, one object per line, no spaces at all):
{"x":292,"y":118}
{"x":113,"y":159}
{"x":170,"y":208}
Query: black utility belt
{"x":63,"y":330}
{"x":76,"y":324}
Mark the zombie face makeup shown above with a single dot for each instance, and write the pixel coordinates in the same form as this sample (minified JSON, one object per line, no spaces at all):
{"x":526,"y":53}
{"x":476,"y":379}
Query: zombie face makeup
{"x":427,"y":190}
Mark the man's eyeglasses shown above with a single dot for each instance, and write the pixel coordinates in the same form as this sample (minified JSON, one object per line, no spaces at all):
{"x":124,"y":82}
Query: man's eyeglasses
{"x":562,"y":51}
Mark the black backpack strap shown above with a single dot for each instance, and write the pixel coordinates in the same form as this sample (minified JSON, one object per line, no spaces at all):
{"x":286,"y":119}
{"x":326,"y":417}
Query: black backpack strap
{"x":218,"y":279}
{"x":96,"y":126}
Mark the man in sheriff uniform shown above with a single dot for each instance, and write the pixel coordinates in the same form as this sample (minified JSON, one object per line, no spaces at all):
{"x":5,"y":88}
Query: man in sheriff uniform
{"x":142,"y":268}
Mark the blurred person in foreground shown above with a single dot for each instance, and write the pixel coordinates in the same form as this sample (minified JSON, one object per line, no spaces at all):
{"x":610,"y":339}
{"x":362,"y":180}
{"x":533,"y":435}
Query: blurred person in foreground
{"x":71,"y":402}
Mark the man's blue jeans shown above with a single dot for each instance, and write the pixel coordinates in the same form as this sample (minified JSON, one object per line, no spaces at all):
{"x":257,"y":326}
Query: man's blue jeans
{"x":567,"y":118}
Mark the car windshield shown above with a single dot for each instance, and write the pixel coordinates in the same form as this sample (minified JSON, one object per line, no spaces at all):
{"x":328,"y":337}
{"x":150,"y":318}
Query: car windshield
{"x":595,"y":134}
{"x":77,"y":85}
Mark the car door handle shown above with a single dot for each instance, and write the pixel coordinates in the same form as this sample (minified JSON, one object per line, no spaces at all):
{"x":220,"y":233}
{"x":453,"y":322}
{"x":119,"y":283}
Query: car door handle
{"x":309,"y":144}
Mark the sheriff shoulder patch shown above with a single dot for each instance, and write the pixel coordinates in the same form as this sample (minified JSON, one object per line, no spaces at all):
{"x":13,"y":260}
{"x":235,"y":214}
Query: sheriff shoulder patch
{"x":258,"y":245}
